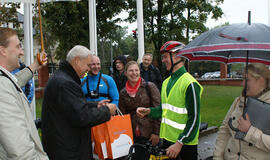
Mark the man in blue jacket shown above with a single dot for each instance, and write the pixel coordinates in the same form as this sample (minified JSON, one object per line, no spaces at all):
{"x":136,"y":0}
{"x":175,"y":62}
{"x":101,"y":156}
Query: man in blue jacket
{"x":28,"y":89}
{"x":97,"y":86}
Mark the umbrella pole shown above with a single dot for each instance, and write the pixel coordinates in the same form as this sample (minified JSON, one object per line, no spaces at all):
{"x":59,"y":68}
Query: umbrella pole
{"x":40,"y":27}
{"x":43,"y":73}
{"x":246,"y":79}
{"x":246,"y":70}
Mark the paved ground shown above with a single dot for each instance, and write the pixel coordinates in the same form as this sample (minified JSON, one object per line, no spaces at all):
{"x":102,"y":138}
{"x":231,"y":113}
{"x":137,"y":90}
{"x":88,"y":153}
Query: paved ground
{"x":207,"y":143}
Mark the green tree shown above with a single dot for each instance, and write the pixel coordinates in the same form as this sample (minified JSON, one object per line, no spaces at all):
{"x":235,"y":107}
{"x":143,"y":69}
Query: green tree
{"x":49,"y":38}
{"x":8,"y":14}
{"x":174,"y":19}
{"x":119,"y":44}
{"x":112,"y":47}
{"x":69,"y":22}
{"x":203,"y":67}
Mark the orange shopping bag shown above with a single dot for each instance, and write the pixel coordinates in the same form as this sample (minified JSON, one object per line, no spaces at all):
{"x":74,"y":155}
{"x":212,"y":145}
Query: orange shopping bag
{"x":119,"y":136}
{"x":98,"y":142}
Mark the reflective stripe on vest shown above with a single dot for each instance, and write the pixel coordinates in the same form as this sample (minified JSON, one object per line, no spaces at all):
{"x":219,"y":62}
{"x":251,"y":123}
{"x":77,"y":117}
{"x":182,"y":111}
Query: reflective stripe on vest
{"x":173,"y":124}
{"x":174,"y":109}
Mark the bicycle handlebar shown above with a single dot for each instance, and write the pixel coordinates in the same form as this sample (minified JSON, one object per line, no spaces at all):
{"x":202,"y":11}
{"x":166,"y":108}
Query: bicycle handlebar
{"x":152,"y":150}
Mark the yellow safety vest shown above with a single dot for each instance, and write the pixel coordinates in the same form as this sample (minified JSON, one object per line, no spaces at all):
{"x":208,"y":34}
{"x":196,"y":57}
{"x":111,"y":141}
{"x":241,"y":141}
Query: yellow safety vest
{"x":174,"y":112}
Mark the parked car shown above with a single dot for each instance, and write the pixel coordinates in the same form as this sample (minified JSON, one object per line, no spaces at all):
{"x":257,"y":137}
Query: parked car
{"x":215,"y":74}
{"x":234,"y":74}
{"x":209,"y":75}
{"x":206,"y":75}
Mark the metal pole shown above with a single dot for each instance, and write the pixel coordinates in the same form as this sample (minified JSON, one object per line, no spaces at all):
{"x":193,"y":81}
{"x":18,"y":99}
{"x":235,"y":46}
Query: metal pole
{"x":95,"y":27}
{"x":246,"y":70}
{"x":26,"y":33}
{"x":92,"y":26}
{"x":28,"y":44}
{"x":249,"y":17}
{"x":140,"y":30}
{"x":40,"y":27}
{"x":269,"y":12}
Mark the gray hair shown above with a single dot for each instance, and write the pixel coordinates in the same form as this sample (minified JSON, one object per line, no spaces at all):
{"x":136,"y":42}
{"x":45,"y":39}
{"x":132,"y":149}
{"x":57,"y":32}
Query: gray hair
{"x":79,"y":51}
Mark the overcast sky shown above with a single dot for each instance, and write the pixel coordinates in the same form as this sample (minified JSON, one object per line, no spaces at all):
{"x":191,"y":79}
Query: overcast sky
{"x":236,"y":11}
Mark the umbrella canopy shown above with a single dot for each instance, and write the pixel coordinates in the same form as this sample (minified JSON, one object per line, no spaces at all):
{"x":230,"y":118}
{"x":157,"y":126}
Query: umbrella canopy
{"x":34,"y":1}
{"x":16,"y":1}
{"x":229,"y":44}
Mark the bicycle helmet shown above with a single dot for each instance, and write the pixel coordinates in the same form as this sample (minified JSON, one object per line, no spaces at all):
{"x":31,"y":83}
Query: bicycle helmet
{"x":171,"y":47}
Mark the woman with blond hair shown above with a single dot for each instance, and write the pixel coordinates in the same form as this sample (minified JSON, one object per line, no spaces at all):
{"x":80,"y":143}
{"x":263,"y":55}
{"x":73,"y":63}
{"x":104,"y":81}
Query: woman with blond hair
{"x":255,"y":144}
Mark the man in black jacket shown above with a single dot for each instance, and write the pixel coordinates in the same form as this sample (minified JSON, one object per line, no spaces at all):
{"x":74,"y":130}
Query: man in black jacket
{"x":118,"y":72}
{"x":149,"y":72}
{"x":66,"y":116}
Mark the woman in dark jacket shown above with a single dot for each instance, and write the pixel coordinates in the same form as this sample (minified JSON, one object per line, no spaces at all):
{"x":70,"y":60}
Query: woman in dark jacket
{"x":139,"y":93}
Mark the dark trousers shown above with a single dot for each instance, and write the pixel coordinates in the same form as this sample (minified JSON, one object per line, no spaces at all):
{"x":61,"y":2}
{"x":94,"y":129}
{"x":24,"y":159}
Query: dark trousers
{"x":188,"y":152}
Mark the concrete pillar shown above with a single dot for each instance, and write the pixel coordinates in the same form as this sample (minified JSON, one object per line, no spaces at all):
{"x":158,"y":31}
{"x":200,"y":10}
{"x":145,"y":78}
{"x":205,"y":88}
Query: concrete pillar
{"x":223,"y":70}
{"x":139,"y":5}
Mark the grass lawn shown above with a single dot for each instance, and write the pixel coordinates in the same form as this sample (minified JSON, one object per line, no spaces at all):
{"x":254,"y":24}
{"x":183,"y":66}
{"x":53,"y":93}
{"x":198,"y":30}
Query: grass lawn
{"x":38,"y":107}
{"x":216,"y":100}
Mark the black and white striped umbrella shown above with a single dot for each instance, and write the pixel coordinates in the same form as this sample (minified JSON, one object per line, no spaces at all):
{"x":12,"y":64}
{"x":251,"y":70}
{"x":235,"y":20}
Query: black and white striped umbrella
{"x":33,"y":1}
{"x":230,"y":44}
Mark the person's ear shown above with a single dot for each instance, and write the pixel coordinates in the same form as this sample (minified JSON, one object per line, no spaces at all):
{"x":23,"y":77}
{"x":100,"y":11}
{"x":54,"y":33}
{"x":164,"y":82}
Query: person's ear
{"x":77,"y":60}
{"x":2,"y":50}
{"x":262,"y":80}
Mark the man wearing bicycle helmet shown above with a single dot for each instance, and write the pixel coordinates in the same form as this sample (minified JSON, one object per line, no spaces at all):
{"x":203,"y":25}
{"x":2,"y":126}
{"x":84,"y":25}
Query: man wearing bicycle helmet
{"x":179,"y":108}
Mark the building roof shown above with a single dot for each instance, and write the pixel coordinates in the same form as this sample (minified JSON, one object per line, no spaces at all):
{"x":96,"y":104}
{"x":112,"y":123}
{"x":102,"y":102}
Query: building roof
{"x":20,"y":17}
{"x":21,"y":20}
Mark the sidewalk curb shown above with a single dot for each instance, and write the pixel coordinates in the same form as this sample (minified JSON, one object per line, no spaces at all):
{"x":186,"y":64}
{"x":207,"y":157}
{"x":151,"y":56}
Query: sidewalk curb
{"x":209,"y":130}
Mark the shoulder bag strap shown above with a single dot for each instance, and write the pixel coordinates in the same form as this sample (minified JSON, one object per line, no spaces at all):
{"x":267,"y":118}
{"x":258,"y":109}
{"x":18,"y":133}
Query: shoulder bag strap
{"x":4,"y":74}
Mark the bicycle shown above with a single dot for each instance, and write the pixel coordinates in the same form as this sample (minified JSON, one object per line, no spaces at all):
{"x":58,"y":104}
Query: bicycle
{"x":155,"y":152}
